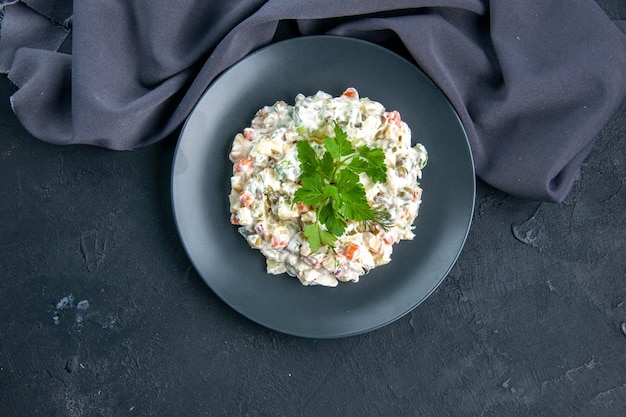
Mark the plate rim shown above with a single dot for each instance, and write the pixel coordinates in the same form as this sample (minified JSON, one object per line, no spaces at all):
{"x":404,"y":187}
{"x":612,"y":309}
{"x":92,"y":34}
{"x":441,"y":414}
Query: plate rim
{"x":338,"y":334}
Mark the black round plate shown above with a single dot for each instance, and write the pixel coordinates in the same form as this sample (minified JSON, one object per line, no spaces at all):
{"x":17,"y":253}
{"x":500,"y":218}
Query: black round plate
{"x":201,"y":184}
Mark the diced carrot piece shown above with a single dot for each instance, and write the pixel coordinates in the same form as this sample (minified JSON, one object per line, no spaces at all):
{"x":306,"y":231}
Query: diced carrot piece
{"x":376,"y":228}
{"x":389,"y":238}
{"x":248,"y":133}
{"x":393,"y":117}
{"x":246,"y":198}
{"x":244,"y":166}
{"x":280,"y":241}
{"x":351,"y":251}
{"x":234,"y":220}
{"x":302,"y":208}
{"x":351,"y":93}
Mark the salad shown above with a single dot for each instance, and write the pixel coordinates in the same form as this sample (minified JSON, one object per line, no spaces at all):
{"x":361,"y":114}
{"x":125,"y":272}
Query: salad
{"x":326,"y":187}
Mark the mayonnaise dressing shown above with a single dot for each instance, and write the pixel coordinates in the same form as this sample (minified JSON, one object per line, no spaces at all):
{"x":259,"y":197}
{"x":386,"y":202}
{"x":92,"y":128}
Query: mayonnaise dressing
{"x":265,"y":178}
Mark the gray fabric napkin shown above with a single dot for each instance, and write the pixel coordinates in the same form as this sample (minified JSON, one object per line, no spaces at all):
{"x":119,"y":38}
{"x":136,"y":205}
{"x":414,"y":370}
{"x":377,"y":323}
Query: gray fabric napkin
{"x":533,"y":81}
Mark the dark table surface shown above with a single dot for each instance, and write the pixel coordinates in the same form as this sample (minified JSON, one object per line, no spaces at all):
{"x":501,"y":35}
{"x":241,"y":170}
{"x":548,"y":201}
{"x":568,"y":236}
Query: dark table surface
{"x":102,"y":313}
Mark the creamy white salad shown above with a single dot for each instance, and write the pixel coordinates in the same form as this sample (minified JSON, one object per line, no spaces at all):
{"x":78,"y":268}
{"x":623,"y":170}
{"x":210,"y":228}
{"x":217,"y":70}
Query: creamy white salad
{"x":266,"y":175}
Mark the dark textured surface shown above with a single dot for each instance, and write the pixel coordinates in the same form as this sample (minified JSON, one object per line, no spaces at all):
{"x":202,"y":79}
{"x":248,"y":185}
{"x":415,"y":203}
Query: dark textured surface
{"x":101,"y":313}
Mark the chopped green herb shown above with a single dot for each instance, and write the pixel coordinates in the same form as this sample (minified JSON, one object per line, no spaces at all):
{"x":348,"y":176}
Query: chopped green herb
{"x":331,"y":186}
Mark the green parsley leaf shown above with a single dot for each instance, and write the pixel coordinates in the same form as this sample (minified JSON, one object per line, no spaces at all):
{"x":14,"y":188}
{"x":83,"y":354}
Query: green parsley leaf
{"x":311,"y":191}
{"x":357,"y":165}
{"x":332,"y":219}
{"x":327,"y":166}
{"x":331,"y":186}
{"x":316,"y":236}
{"x":309,"y":162}
{"x":339,"y":145}
{"x":354,"y":205}
{"x":374,"y":163}
{"x":331,"y":192}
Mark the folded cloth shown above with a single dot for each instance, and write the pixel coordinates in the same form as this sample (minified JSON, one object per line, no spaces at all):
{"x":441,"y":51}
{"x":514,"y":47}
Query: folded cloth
{"x":533,"y":81}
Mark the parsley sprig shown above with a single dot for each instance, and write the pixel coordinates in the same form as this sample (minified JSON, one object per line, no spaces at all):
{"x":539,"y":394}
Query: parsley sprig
{"x":331,"y":186}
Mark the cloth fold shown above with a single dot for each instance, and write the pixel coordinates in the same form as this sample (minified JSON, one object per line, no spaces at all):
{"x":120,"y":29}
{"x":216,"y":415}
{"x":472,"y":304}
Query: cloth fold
{"x":533,"y":82}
